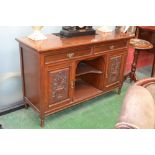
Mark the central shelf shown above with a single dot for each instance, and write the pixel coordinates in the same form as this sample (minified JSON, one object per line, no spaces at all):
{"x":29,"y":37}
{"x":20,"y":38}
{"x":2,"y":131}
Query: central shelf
{"x":84,"y":90}
{"x":89,"y":78}
{"x":84,"y":68}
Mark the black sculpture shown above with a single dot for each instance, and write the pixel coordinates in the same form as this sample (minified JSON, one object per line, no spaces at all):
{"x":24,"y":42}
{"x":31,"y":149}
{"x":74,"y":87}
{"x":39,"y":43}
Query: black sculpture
{"x":72,"y":31}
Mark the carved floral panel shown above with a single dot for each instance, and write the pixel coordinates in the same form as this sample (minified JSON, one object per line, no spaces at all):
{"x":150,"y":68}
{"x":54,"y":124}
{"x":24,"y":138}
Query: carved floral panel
{"x":59,"y":85}
{"x":114,"y":70}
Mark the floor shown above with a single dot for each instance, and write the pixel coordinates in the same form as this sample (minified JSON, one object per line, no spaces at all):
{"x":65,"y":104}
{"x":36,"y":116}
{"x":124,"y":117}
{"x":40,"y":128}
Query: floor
{"x":99,"y":113}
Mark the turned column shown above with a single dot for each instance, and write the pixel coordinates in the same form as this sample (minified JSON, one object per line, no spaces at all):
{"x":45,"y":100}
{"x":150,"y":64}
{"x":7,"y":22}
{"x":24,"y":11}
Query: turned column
{"x":139,"y":45}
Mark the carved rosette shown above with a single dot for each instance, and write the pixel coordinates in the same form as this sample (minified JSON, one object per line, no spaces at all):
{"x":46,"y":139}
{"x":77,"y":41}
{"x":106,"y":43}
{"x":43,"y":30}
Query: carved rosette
{"x":114,"y":70}
{"x":59,"y":85}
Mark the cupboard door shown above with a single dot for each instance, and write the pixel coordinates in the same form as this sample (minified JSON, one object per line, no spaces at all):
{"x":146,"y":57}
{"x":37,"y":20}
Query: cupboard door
{"x":59,"y":85}
{"x":115,"y":69}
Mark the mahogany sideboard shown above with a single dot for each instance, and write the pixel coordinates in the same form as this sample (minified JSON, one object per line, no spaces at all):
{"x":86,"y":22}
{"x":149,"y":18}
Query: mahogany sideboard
{"x":58,"y":73}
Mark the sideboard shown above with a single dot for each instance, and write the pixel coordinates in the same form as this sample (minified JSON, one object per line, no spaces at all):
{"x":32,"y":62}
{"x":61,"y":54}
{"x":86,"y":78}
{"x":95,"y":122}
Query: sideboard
{"x":58,"y":73}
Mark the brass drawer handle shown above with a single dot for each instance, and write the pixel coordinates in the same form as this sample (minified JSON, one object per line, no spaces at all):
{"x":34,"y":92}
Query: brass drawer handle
{"x":111,"y":47}
{"x":70,"y":55}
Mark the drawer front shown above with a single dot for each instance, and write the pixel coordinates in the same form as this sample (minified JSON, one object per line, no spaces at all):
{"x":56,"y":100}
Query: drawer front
{"x":67,"y":55}
{"x":111,"y":46}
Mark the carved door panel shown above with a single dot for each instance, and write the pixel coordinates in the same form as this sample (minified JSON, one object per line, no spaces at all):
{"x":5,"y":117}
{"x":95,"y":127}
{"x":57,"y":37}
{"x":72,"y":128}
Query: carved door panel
{"x":59,"y":80}
{"x":115,"y":69}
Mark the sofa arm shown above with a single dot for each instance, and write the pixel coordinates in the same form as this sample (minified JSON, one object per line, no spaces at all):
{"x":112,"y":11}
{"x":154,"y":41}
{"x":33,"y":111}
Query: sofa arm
{"x":144,"y":82}
{"x":138,"y":109}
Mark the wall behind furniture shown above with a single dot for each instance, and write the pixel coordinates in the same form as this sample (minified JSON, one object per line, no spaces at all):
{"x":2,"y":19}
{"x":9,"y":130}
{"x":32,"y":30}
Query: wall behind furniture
{"x":9,"y":53}
{"x":10,"y":80}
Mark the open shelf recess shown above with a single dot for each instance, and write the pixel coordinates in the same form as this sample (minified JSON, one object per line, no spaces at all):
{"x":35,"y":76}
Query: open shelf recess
{"x":84,"y":68}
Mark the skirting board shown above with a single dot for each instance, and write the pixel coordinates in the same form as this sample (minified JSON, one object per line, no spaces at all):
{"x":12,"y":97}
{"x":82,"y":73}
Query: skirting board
{"x":16,"y":106}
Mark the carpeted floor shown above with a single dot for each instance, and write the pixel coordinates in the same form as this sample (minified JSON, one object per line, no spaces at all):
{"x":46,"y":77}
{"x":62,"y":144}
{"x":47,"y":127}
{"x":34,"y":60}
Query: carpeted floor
{"x":99,"y":113}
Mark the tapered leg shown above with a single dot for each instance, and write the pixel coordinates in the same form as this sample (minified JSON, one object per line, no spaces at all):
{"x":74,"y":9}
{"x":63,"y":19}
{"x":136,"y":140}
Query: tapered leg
{"x":119,"y":89}
{"x":25,"y":104}
{"x":42,"y":122}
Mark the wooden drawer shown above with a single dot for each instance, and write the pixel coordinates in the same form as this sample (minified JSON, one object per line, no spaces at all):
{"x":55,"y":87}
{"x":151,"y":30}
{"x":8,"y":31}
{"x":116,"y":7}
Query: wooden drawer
{"x":110,"y":46}
{"x":67,"y":55}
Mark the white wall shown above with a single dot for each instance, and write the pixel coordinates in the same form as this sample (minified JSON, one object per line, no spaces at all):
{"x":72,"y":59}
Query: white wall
{"x":9,"y":52}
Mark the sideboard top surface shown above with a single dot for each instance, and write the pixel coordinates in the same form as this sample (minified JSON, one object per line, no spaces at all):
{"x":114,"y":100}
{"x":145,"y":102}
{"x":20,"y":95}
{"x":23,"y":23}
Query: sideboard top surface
{"x":54,"y":42}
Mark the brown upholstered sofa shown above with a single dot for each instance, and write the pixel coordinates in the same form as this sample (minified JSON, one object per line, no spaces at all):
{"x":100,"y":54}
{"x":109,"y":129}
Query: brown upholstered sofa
{"x":138,"y":109}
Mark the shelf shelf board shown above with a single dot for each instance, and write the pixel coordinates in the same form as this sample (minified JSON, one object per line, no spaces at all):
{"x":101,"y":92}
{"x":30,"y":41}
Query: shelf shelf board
{"x":84,"y":68}
{"x":84,"y":90}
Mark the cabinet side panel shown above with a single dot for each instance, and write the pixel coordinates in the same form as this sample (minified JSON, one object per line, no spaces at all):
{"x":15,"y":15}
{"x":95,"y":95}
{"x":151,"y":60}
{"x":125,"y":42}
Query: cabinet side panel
{"x":31,"y":76}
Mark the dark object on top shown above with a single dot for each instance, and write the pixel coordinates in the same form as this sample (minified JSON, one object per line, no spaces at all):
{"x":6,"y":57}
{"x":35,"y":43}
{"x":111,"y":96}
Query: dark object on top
{"x":1,"y":126}
{"x":72,"y":31}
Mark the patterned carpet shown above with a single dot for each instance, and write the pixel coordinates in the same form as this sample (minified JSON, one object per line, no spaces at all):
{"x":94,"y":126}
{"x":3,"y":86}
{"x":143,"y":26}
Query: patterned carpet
{"x":99,"y":113}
